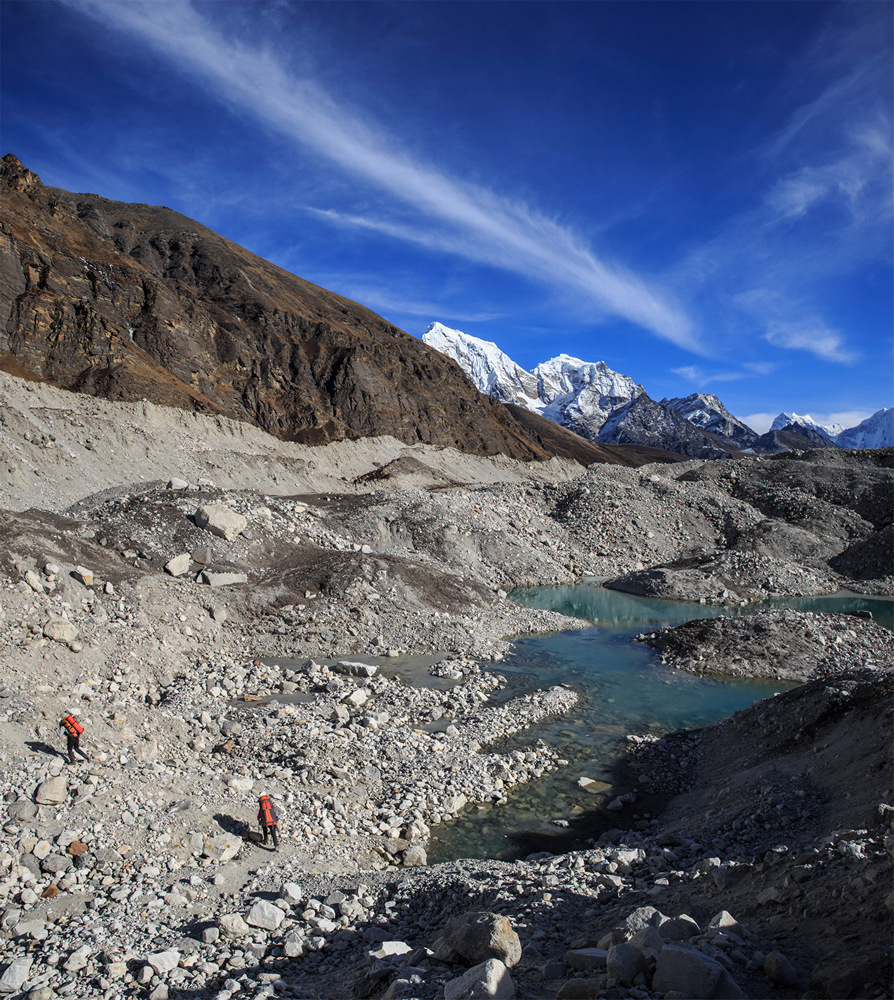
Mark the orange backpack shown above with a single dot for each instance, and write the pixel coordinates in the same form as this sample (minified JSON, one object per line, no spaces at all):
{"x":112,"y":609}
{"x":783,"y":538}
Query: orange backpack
{"x":267,"y":812}
{"x":72,"y":726}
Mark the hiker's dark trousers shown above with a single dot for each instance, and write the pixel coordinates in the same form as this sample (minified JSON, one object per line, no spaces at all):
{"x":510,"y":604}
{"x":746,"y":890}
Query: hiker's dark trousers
{"x":271,"y":831}
{"x":74,"y":747}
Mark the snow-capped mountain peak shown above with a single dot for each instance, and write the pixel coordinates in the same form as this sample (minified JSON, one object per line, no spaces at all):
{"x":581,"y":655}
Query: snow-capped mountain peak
{"x":876,"y":431}
{"x":603,"y":405}
{"x":831,"y":431}
{"x":580,"y":395}
{"x":706,"y":411}
{"x":492,"y":371}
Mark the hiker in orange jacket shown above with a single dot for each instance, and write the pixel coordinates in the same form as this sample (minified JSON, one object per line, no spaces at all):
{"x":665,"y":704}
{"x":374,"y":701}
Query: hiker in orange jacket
{"x":268,"y":817}
{"x":71,"y":729}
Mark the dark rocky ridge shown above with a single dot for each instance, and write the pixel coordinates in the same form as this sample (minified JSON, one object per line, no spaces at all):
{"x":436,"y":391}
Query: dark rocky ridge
{"x":128,"y":301}
{"x":794,"y":437}
{"x":646,"y":423}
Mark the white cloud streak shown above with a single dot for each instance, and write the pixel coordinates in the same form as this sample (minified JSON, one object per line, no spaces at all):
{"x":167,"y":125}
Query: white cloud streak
{"x":479,"y":224}
{"x":699,"y":377}
{"x":814,"y":338}
{"x":825,"y":211}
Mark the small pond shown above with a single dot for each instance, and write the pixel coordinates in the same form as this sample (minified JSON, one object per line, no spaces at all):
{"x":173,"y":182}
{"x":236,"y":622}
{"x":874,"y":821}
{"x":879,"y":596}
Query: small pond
{"x":624,"y":689}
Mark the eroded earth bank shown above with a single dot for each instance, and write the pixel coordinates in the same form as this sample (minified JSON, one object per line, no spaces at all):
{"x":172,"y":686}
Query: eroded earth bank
{"x":221,"y":610}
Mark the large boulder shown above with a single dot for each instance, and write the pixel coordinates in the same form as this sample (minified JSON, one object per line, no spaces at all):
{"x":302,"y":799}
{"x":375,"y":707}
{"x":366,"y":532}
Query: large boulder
{"x":489,"y":979}
{"x":222,"y":848}
{"x":231,"y":925}
{"x":220,"y":521}
{"x":179,"y":564}
{"x":687,"y":970}
{"x":16,"y":974}
{"x":213,"y":579}
{"x":60,"y":630}
{"x":164,"y":961}
{"x":625,"y":962}
{"x":264,"y":915}
{"x":479,"y":935}
{"x":52,"y":792}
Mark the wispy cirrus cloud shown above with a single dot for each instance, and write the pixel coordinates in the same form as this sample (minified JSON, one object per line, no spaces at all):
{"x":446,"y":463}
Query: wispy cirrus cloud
{"x":701,"y":377}
{"x":823,"y":209}
{"x":471,"y":220}
{"x":815,"y":338}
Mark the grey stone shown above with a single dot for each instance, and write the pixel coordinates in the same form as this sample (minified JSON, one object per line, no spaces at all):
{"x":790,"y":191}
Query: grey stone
{"x":581,"y":989}
{"x":222,"y":848}
{"x":414,"y":857}
{"x":625,"y":962}
{"x":83,"y":575}
{"x":231,"y":925}
{"x":55,"y":864}
{"x":179,"y":564}
{"x":53,"y":791}
{"x":586,"y":959}
{"x":480,"y":935}
{"x":354,"y":669}
{"x":265,"y":915}
{"x":645,"y":916}
{"x":686,"y":971}
{"x":291,"y":892}
{"x":163,"y":961}
{"x":221,"y":579}
{"x":16,"y":975}
{"x":22,"y":810}
{"x":293,"y":945}
{"x":778,"y":969}
{"x":489,"y":979}
{"x":202,"y":555}
{"x":679,"y":928}
{"x":220,"y":521}
{"x":60,"y":630}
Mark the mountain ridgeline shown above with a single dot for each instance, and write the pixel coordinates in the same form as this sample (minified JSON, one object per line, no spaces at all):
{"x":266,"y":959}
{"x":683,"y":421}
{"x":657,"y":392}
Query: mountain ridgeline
{"x":130,"y":302}
{"x":611,"y":409}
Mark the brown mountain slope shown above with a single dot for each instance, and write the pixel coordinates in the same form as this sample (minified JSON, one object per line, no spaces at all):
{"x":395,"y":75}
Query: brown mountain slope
{"x":131,"y":301}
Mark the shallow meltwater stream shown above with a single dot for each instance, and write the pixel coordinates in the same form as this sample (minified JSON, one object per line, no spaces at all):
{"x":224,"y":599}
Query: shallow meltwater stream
{"x":624,"y":689}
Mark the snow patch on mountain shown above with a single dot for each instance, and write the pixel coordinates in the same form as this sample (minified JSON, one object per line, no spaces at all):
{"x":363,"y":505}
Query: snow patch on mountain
{"x":579,"y":395}
{"x":492,"y":371}
{"x":784,"y":420}
{"x":876,"y":431}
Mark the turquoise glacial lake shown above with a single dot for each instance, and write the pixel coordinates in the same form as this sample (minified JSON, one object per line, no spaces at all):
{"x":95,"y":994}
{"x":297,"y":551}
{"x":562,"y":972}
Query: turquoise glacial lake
{"x":624,"y":688}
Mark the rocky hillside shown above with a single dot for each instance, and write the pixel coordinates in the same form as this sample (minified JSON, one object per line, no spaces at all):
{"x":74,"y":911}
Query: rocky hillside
{"x":132,"y":302}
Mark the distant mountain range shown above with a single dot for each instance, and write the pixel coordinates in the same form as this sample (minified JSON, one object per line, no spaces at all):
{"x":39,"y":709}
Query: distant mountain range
{"x":610,"y":408}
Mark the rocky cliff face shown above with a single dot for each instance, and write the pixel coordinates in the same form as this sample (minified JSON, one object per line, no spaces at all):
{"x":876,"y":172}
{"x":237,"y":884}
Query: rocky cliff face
{"x":794,"y":437}
{"x":131,"y":301}
{"x":705,"y":410}
{"x":645,"y":422}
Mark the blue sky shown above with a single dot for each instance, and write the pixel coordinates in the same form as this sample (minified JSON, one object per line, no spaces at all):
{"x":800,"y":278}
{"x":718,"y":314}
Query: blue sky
{"x":699,"y":193}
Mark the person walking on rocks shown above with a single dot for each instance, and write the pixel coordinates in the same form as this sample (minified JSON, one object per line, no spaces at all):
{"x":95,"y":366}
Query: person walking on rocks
{"x":268,"y":817}
{"x":71,"y":729}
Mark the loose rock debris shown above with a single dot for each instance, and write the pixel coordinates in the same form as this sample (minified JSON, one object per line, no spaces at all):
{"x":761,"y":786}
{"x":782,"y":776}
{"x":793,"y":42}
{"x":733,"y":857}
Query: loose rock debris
{"x":139,"y":873}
